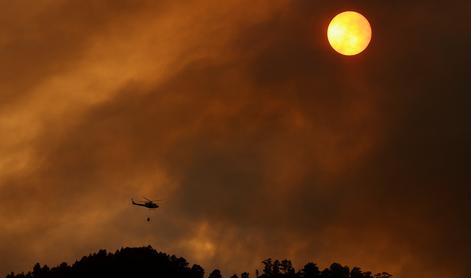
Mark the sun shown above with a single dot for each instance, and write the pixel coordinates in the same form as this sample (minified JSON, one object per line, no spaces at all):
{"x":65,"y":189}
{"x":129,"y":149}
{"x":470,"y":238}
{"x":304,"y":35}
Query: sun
{"x":349,"y":33}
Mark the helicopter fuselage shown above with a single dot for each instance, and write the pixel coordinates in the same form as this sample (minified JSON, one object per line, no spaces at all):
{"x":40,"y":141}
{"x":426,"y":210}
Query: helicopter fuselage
{"x":149,"y":205}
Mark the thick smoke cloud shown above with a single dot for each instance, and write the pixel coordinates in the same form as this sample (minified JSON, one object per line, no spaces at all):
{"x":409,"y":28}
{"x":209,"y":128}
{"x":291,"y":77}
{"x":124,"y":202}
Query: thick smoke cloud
{"x":261,"y":141}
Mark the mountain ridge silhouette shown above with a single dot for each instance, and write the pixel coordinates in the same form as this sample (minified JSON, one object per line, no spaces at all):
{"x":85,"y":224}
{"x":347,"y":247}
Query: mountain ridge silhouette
{"x":148,"y":262}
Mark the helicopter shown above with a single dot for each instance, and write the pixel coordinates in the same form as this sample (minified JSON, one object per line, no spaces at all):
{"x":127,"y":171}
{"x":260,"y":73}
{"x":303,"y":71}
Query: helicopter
{"x":148,"y":204}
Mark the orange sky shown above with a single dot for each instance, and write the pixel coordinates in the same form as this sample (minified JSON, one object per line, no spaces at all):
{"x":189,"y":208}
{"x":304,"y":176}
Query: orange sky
{"x":261,"y":139}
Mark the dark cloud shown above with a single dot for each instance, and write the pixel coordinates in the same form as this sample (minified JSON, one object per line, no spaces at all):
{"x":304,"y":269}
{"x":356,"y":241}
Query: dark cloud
{"x":44,"y":38}
{"x":274,"y":146}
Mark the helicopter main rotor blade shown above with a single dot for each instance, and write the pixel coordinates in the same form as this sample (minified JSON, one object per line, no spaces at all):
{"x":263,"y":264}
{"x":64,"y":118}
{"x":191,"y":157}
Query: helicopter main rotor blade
{"x":155,"y":200}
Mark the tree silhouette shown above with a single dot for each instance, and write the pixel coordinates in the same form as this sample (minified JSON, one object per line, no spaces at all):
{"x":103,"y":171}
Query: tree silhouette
{"x":310,"y":270}
{"x":197,"y":271}
{"x":287,"y":268}
{"x":215,"y":274}
{"x":336,"y":270}
{"x":356,"y":273}
{"x":276,"y":268}
{"x":267,"y":268}
{"x":382,"y":275}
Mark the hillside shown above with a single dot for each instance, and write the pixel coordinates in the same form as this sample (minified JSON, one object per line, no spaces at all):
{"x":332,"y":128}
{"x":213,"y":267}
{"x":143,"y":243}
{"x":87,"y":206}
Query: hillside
{"x":147,"y":262}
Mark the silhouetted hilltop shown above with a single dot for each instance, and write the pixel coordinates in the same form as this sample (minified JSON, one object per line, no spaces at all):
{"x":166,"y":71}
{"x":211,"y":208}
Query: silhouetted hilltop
{"x":126,"y":262}
{"x":147,"y":262}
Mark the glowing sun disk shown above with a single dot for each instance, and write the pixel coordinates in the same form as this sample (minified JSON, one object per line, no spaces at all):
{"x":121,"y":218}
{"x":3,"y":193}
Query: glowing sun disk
{"x":349,"y":33}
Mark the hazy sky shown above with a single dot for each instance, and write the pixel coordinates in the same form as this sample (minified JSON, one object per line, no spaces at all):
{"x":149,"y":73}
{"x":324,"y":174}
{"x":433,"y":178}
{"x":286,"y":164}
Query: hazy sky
{"x":262,"y":141}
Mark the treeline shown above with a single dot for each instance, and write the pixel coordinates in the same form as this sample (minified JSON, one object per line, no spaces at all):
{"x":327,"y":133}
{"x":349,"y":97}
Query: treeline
{"x":147,"y":262}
